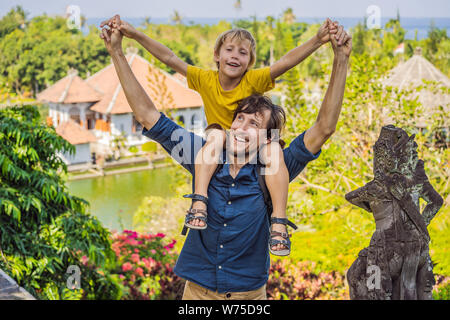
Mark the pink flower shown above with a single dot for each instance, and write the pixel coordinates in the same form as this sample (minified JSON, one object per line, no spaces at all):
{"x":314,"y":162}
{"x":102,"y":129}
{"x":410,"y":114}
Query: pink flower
{"x":149,"y":263}
{"x":160,"y":235}
{"x":84,"y":260}
{"x":127,"y":267}
{"x":121,"y":276}
{"x":135,"y":257}
{"x":139,"y":271}
{"x":153,"y":251}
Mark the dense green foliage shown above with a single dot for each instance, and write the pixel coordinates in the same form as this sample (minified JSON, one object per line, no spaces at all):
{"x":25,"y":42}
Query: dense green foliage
{"x":38,"y":52}
{"x":335,"y":231}
{"x":43,"y":229}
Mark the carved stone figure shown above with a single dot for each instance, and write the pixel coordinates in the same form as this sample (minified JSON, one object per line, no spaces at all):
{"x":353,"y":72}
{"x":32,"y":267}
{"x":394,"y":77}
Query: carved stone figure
{"x":397,"y":263}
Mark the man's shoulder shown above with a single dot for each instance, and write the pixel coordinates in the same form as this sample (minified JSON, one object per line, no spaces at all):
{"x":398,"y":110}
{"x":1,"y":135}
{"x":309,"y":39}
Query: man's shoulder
{"x":181,"y":144}
{"x":297,"y":156}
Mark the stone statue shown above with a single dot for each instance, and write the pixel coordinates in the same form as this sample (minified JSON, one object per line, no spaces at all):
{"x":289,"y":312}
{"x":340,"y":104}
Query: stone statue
{"x":397,"y":263}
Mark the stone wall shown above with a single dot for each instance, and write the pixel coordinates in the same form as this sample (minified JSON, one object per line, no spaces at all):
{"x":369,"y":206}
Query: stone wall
{"x":10,"y":290}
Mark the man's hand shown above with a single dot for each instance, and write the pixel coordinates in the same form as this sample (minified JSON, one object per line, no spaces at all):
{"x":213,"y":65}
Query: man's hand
{"x":326,"y":31}
{"x":341,"y":43}
{"x":113,"y":40}
{"x":124,"y":27}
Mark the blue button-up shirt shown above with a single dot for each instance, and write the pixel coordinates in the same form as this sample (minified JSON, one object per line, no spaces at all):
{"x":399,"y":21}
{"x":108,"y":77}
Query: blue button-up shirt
{"x":232,"y":253}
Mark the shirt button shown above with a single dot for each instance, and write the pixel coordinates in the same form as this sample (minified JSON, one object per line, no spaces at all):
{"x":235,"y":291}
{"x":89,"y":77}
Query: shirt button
{"x":232,"y":184}
{"x":220,"y":267}
{"x":224,"y":224}
{"x":229,"y":202}
{"x":221,"y":246}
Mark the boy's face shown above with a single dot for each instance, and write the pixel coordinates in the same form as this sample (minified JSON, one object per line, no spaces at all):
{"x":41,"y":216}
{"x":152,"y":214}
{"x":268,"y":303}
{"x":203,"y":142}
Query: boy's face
{"x":233,"y":57}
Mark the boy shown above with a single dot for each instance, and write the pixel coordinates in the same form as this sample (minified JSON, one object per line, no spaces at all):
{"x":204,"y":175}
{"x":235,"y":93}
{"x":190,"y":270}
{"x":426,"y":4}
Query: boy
{"x":234,"y":54}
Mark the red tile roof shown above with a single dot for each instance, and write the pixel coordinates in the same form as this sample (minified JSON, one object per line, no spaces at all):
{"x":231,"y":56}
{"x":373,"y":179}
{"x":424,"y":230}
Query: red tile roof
{"x":105,"y":90}
{"x":74,"y":133}
{"x":70,"y":89}
{"x":114,"y":101}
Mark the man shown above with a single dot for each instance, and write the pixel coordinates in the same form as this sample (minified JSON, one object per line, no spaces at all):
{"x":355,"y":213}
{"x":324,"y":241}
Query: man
{"x":230,"y":259}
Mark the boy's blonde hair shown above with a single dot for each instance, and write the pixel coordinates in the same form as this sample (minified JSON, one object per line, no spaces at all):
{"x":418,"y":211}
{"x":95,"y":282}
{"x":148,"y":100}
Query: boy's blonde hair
{"x":239,"y":34}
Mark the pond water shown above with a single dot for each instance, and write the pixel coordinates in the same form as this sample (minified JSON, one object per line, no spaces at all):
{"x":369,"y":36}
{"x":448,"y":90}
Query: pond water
{"x":114,"y":199}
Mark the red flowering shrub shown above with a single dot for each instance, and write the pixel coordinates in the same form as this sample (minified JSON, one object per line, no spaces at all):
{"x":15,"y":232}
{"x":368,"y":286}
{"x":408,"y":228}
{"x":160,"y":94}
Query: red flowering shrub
{"x":145,"y":266}
{"x":289,"y":281}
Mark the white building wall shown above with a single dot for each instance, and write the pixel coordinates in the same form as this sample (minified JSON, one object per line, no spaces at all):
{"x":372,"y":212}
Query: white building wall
{"x":82,"y":154}
{"x":194,"y":118}
{"x":121,"y":122}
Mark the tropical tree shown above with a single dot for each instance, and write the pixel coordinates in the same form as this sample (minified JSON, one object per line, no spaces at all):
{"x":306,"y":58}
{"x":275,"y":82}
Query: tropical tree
{"x":238,"y":5}
{"x":43,"y":229}
{"x":176,"y":17}
{"x":289,"y":16}
{"x":14,"y":19}
{"x":40,"y":54}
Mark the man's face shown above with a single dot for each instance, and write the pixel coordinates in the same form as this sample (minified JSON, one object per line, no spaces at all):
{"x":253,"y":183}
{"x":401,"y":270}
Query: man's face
{"x":248,"y":133}
{"x":233,"y":57}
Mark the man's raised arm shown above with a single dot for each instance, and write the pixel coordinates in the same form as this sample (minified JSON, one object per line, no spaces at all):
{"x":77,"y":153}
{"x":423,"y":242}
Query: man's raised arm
{"x":141,"y":104}
{"x":325,"y":124}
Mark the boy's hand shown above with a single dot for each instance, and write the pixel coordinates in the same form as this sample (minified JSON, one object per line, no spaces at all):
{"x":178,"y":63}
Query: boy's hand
{"x":124,"y":27}
{"x":113,"y":40}
{"x":326,"y":30}
{"x":341,"y":43}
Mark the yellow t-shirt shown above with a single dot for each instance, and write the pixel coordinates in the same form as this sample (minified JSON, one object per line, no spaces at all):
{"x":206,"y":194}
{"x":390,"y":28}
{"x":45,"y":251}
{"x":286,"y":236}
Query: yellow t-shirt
{"x":220,"y":104}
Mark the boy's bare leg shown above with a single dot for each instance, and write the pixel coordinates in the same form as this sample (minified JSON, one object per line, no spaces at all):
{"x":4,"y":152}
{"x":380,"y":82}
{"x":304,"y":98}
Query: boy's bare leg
{"x":205,"y":165}
{"x":277,"y":181}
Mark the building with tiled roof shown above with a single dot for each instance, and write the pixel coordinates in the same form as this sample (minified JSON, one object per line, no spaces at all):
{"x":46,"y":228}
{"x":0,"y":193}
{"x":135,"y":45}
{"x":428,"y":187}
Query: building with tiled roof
{"x":80,"y":138}
{"x":69,"y":90}
{"x":100,"y":108}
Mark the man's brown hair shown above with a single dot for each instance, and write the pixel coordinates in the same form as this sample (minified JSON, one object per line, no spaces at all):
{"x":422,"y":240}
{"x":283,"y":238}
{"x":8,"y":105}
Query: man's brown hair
{"x":257,"y":103}
{"x":239,"y":34}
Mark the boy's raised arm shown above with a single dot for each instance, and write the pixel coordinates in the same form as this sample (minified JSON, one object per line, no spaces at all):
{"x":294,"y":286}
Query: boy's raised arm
{"x":141,"y":104}
{"x":300,"y":53}
{"x":157,"y":49}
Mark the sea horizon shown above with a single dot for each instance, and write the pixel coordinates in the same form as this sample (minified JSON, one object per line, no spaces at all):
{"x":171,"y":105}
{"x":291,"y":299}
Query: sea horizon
{"x":410,"y":24}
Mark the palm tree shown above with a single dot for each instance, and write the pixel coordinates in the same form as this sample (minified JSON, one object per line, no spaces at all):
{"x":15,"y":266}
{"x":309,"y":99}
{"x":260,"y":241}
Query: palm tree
{"x":238,"y":7}
{"x":146,"y":21}
{"x":176,"y":17}
{"x":270,"y":36}
{"x":288,"y":16}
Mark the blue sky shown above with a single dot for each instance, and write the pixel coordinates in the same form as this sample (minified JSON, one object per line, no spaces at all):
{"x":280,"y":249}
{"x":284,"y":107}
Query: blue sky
{"x":225,"y":8}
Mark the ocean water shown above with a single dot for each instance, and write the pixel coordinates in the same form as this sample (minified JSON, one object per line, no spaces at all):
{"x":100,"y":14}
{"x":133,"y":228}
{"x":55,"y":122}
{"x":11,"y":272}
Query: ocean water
{"x":422,"y":25}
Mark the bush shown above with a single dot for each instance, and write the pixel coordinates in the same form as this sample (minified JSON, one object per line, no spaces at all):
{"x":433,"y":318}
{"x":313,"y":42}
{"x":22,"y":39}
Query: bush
{"x":145,"y":266}
{"x":289,"y":281}
{"x":43,"y":229}
{"x":441,"y":290}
